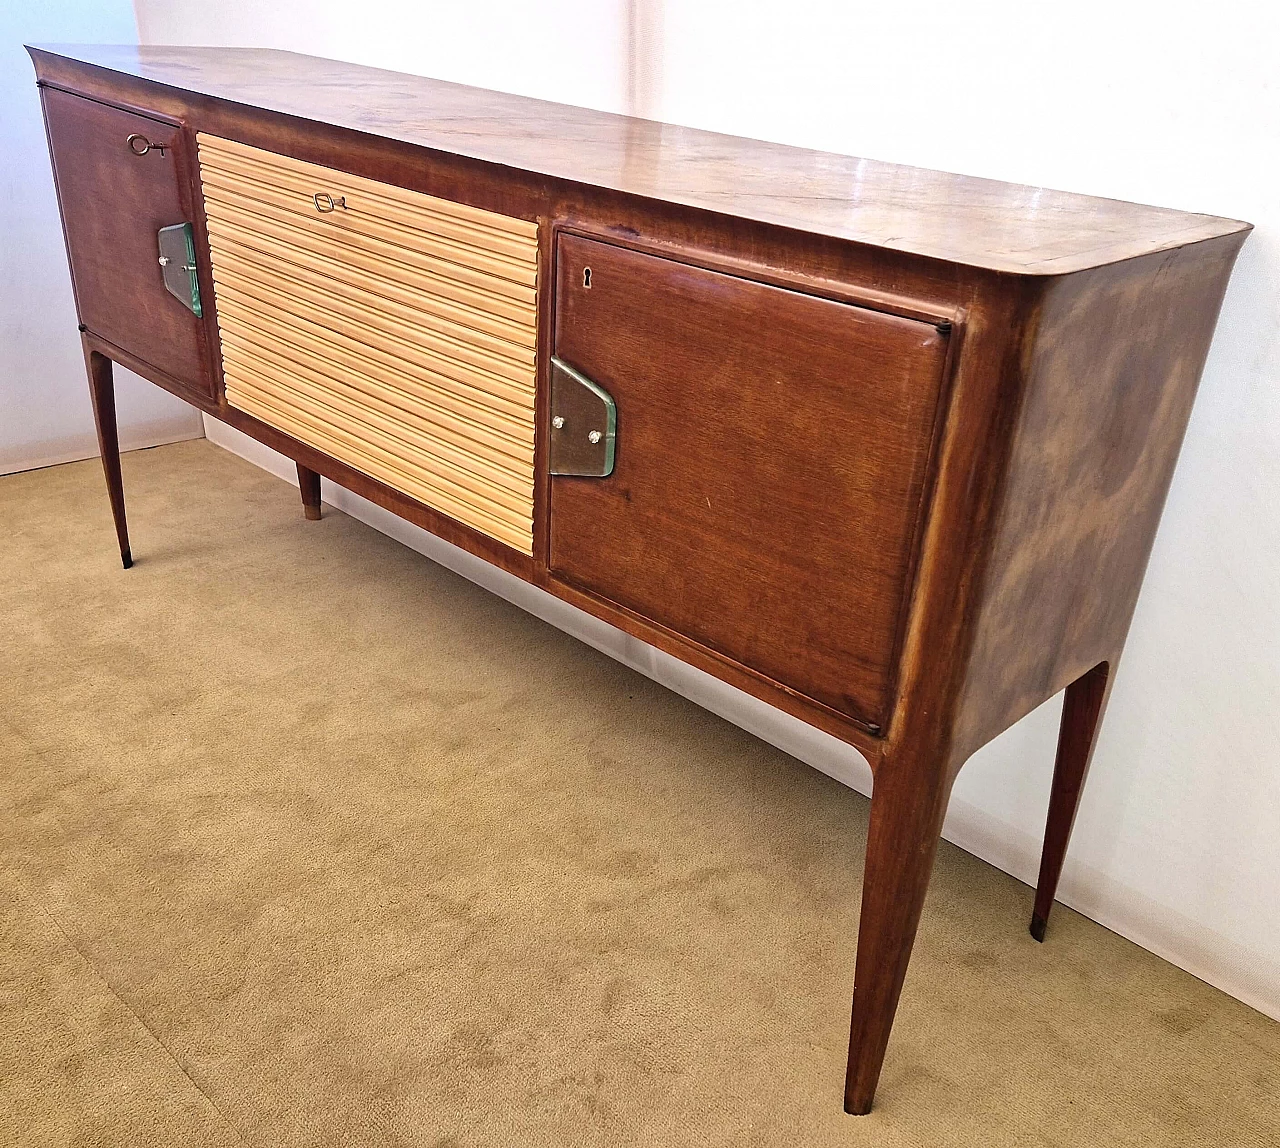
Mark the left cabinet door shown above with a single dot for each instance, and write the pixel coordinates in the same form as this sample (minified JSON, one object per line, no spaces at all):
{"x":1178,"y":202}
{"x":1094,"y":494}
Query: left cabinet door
{"x":122,"y":177}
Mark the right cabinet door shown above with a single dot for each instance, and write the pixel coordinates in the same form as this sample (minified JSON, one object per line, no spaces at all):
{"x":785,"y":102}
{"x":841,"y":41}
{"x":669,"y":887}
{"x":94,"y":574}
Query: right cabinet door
{"x":772,"y":455}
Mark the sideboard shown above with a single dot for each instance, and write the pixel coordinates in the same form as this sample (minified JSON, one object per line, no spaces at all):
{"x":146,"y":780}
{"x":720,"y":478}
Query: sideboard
{"x":884,"y":447}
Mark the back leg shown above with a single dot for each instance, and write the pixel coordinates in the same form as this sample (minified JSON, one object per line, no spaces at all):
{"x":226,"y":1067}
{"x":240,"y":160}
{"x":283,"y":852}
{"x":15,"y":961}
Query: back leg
{"x":1082,"y":711}
{"x":309,"y":484}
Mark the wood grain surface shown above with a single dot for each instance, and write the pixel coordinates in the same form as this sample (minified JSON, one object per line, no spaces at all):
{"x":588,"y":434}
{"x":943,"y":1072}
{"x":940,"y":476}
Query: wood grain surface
{"x":1107,"y":387}
{"x":113,"y":204}
{"x":959,"y":218}
{"x":772,"y":454}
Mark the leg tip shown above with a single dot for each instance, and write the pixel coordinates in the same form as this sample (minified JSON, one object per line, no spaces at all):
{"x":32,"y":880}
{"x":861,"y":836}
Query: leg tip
{"x":126,"y":559}
{"x":856,"y":1102}
{"x":312,"y":513}
{"x":1038,"y":924}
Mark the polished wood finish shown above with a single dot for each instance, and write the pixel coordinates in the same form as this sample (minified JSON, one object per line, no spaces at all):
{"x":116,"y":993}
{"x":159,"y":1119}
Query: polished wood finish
{"x":1083,"y":705}
{"x":957,"y":218}
{"x":908,"y":804}
{"x":776,"y":443}
{"x":113,"y":252}
{"x":1107,"y":393}
{"x":309,"y":485}
{"x":935,"y":418}
{"x":102,"y":394}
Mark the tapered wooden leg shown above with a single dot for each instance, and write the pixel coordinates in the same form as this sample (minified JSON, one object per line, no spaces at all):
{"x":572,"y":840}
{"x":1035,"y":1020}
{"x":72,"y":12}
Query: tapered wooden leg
{"x":1082,"y":710}
{"x":103,"y":393}
{"x":907,"y":807}
{"x":309,"y":484}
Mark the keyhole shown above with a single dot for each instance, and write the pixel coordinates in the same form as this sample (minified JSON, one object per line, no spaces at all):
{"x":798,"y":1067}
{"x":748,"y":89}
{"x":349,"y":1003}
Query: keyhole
{"x":586,"y":278}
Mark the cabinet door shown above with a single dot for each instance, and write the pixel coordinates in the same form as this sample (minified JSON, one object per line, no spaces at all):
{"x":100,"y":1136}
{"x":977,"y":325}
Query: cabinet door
{"x":390,"y":329}
{"x":114,"y":203}
{"x":771,"y":460}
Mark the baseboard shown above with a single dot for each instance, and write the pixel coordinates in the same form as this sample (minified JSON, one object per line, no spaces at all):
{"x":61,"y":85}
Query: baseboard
{"x":1247,"y":975}
{"x":80,"y":447}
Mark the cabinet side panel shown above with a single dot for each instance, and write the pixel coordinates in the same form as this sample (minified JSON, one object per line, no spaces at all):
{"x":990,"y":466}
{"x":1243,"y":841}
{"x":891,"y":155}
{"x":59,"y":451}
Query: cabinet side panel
{"x":1110,"y":378}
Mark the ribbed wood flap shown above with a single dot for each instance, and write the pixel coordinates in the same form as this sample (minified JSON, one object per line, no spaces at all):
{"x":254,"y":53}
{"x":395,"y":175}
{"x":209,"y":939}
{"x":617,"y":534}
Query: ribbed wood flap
{"x":396,"y":332}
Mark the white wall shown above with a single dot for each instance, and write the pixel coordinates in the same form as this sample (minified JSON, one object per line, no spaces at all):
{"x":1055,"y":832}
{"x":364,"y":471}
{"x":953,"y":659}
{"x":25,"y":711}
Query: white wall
{"x":45,"y":416}
{"x":573,"y":51}
{"x":1178,"y":841}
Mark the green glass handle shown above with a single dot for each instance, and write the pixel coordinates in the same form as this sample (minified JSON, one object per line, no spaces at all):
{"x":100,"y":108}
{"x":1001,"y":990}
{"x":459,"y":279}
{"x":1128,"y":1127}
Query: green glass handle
{"x":178,"y":265}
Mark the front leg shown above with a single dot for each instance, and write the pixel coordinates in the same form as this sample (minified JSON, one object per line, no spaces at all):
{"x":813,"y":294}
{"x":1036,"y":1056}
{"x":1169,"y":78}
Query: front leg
{"x":908,"y":803}
{"x":102,"y":391}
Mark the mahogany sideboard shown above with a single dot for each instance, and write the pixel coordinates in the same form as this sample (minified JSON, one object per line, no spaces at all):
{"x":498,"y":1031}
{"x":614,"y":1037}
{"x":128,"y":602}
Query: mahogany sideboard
{"x":884,"y":447}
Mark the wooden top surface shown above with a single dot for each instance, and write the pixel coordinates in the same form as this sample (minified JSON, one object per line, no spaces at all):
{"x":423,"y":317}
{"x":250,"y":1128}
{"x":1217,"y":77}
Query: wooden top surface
{"x":957,"y":218}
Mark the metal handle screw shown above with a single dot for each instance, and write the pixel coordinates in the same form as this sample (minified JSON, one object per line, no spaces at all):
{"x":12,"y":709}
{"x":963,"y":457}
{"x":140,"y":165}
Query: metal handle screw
{"x":594,"y":437}
{"x":558,"y":422}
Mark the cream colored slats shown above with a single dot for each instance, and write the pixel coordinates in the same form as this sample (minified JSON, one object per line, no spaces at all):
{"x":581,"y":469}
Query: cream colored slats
{"x":432,"y":417}
{"x":367,"y":455}
{"x":267,"y":336}
{"x":273,"y":162}
{"x":458,"y":306}
{"x":243,"y":335}
{"x":397,"y":335}
{"x":370,"y":455}
{"x":380,"y":314}
{"x":395,"y":354}
{"x":467,"y":482}
{"x":263,"y":333}
{"x":314,"y":232}
{"x":390,"y":417}
{"x":333,"y":442}
{"x":355,"y":219}
{"x":500,"y":492}
{"x":296,"y":192}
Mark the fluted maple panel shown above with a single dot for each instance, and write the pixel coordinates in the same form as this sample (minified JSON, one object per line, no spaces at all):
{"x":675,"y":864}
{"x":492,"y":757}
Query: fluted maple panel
{"x":396,"y":333}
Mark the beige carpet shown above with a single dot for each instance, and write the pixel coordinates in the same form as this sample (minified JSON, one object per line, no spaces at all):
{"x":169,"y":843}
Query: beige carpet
{"x":306,"y":841}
